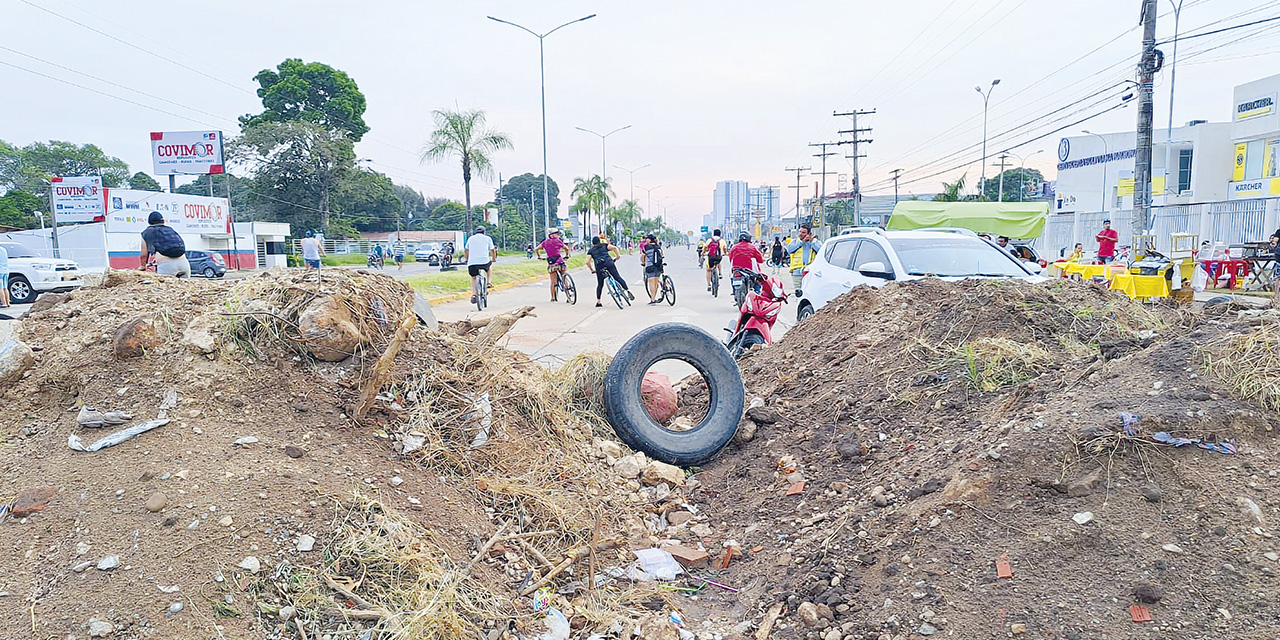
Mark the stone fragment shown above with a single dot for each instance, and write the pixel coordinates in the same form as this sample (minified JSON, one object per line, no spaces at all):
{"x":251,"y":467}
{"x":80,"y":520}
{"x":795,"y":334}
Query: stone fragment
{"x":1172,"y":548}
{"x":677,"y":518}
{"x":926,"y":629}
{"x":688,"y":556}
{"x":294,"y":451}
{"x":100,"y":628}
{"x":1086,"y":485}
{"x":658,"y":472}
{"x":746,"y":431}
{"x":306,"y":543}
{"x":808,"y":614}
{"x":1083,"y":518}
{"x":156,"y":502}
{"x":1152,"y":493}
{"x":250,"y":564}
{"x":1018,"y":628}
{"x":108,"y":563}
{"x":135,"y":337}
{"x":15,"y":358}
{"x":32,"y":499}
{"x":764,"y":415}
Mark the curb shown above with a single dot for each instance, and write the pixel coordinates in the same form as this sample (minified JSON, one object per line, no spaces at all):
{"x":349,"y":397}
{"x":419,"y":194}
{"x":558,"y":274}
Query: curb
{"x":497,"y":287}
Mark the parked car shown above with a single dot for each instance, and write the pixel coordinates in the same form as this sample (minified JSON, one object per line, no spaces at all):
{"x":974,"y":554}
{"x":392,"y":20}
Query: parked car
{"x":872,"y":257}
{"x":30,"y":275}
{"x":209,"y":263}
{"x":428,"y":253}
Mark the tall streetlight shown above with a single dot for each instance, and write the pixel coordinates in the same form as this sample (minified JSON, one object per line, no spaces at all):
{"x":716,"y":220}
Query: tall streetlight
{"x":603,"y":164}
{"x":648,"y":191}
{"x":633,"y":176}
{"x":1104,"y":166}
{"x":1022,"y":175}
{"x":1173,"y":70}
{"x":542,"y":73}
{"x":986,"y":100}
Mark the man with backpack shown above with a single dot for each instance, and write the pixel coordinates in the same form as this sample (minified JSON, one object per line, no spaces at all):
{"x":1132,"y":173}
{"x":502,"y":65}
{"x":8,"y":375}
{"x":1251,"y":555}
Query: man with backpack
{"x":715,"y":253}
{"x":652,"y":257}
{"x":161,"y":243}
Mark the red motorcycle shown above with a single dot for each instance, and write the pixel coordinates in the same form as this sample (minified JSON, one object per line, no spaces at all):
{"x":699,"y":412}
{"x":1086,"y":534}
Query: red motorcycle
{"x":754,"y":324}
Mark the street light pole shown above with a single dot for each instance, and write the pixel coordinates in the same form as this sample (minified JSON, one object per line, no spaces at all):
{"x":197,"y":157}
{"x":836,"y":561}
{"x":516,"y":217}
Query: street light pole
{"x":1103,"y":164}
{"x":603,"y":176}
{"x":648,"y":191}
{"x":1022,"y":173}
{"x":1173,"y":71}
{"x":986,"y":100}
{"x":542,"y":73}
{"x":633,"y":176}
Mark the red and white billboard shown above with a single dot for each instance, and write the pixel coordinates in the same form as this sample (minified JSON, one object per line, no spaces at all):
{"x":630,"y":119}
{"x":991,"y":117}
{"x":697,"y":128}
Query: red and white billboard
{"x":186,"y":152}
{"x":127,"y":212}
{"x":78,"y":199}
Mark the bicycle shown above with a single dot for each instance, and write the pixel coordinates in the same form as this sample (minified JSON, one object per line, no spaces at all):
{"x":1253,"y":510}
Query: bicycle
{"x":616,"y":291}
{"x":481,"y":291}
{"x":715,"y":283}
{"x":668,"y":288}
{"x":564,"y":284}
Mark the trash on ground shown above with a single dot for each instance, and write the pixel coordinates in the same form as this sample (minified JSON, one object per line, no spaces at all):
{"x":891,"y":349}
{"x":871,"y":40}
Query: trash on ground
{"x":116,"y":438}
{"x":1139,"y":613}
{"x":1227,"y":447}
{"x":1130,"y":422}
{"x":92,"y":418}
{"x":658,"y":563}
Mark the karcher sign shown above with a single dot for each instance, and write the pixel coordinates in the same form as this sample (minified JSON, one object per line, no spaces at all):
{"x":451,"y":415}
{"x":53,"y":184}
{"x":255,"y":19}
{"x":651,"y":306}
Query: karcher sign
{"x":1255,"y":108}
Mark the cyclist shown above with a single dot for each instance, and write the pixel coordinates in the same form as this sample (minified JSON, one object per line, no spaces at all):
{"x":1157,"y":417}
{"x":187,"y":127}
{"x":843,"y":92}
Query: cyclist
{"x":702,"y":251}
{"x":557,"y":251}
{"x":601,"y":263}
{"x":715,"y":253}
{"x":479,"y":253}
{"x":651,"y":254}
{"x":377,"y":255}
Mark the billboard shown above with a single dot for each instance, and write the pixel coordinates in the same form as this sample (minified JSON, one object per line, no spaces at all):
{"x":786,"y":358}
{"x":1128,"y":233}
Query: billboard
{"x":78,"y":199}
{"x":127,"y":212}
{"x":186,"y":152}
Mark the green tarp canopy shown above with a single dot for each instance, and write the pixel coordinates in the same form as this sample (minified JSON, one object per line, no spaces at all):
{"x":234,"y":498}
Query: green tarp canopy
{"x":1019,"y":220}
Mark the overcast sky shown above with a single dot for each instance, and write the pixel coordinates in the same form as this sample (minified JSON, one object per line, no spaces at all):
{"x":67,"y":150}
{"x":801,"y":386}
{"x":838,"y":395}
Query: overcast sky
{"x":714,"y":90}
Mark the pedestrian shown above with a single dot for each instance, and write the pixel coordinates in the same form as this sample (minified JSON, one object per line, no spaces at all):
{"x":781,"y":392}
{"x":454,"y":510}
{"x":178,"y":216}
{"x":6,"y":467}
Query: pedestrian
{"x":311,"y":250}
{"x":803,"y":251}
{"x":4,"y":277}
{"x":602,"y":264}
{"x":557,"y":251}
{"x":398,"y":250}
{"x":162,"y":244}
{"x":651,"y":256}
{"x":777,"y":253}
{"x":1107,"y":239}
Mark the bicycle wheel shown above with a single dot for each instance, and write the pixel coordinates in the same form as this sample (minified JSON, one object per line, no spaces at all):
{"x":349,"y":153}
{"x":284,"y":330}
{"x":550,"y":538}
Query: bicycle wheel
{"x":482,"y":293}
{"x":615,"y":291}
{"x":669,"y":290}
{"x":715,"y":284}
{"x":570,"y":291}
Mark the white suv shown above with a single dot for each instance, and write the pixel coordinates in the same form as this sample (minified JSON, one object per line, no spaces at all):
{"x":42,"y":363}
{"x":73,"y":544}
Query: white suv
{"x":30,"y":275}
{"x":872,"y":257}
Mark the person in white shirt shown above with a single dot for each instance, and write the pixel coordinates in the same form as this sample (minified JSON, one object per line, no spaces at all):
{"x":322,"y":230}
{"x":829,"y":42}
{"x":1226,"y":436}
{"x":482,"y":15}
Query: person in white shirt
{"x":480,"y":253}
{"x":312,"y":250}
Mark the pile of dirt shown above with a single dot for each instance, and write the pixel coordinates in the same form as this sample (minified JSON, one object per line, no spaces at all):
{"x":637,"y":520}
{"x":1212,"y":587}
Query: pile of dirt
{"x":990,"y":459}
{"x":276,"y":502}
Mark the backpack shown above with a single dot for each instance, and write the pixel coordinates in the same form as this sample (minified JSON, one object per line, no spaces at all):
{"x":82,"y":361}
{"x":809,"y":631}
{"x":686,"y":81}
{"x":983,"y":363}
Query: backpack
{"x":165,"y":241}
{"x":713,"y":249}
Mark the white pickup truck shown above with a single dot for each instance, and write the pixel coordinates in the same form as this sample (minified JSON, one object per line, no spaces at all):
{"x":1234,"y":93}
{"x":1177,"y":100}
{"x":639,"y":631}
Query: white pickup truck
{"x":30,"y":275}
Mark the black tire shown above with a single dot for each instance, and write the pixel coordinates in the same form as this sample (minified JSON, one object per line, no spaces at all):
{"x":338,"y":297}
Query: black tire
{"x":805,"y":311}
{"x":482,"y":293}
{"x":570,"y":289}
{"x":669,"y":290}
{"x":625,"y":407}
{"x":20,"y":290}
{"x":744,"y":343}
{"x":222,"y":274}
{"x":715,"y":284}
{"x":210,"y":273}
{"x":740,"y":294}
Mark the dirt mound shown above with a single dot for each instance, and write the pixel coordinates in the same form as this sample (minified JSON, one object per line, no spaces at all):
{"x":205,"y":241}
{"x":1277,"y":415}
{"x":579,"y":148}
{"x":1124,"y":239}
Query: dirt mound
{"x":909,"y":441}
{"x":265,"y":508}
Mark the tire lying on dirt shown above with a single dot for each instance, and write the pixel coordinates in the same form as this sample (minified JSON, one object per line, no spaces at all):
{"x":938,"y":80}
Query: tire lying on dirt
{"x":624,"y":405}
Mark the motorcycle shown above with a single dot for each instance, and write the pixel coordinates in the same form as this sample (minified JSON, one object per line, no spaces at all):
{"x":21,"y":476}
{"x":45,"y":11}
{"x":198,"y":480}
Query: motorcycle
{"x":375,"y":261}
{"x":758,"y":313}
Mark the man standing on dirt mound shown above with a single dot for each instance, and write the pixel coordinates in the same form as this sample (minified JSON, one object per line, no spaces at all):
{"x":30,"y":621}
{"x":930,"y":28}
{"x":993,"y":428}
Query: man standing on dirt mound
{"x":803,"y":251}
{"x":161,"y":242}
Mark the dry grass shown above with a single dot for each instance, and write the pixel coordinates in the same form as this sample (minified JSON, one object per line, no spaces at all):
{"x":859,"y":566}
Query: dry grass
{"x":1246,"y":363}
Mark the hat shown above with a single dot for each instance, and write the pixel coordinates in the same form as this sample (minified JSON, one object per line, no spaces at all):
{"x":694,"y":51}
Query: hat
{"x":155,"y":218}
{"x":1106,"y":221}
{"x":553,"y":230}
{"x":480,"y":229}
{"x":310,"y":233}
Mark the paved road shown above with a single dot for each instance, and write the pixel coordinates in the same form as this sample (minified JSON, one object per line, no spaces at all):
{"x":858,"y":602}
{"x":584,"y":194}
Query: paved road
{"x":561,"y":331}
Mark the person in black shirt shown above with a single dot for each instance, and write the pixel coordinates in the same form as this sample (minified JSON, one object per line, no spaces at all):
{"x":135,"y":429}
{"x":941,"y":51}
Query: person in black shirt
{"x":602,"y":256}
{"x":162,"y":244}
{"x":652,"y":256}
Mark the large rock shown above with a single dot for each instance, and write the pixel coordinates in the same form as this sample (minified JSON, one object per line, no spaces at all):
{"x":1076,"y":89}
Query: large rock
{"x":201,"y":334}
{"x":48,"y":301}
{"x":15,"y":358}
{"x":630,"y":466}
{"x":659,"y":396}
{"x":328,"y":330}
{"x":657,"y":627}
{"x":135,"y":337}
{"x":658,"y":472}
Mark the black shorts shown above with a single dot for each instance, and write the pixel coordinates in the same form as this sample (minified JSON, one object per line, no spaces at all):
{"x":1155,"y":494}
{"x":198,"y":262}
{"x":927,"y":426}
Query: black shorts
{"x":652,"y":272}
{"x":713,"y":261}
{"x":475,"y":269}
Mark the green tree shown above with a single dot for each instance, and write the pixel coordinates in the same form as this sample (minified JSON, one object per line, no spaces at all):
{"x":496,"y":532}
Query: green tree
{"x":18,"y":209}
{"x":368,"y":200}
{"x":29,"y":167}
{"x":244,"y":206}
{"x":592,"y":194}
{"x":624,"y":217}
{"x":462,"y":135}
{"x":448,"y":216}
{"x":1018,"y":182}
{"x":143,"y":182}
{"x":297,"y":166}
{"x":954,"y":192}
{"x":311,"y":92}
{"x":518,"y":188}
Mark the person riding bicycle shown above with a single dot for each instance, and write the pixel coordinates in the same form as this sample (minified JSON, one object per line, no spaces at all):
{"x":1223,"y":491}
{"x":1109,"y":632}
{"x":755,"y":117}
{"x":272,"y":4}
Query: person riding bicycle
{"x":557,"y":251}
{"x":651,"y":254}
{"x":479,"y":253}
{"x":602,"y":264}
{"x":715,"y":253}
{"x":702,"y":251}
{"x":377,"y":255}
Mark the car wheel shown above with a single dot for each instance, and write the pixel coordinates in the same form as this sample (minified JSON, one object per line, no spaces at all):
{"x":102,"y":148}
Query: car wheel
{"x":805,"y":311}
{"x":20,"y":290}
{"x":624,"y":404}
{"x":209,"y":272}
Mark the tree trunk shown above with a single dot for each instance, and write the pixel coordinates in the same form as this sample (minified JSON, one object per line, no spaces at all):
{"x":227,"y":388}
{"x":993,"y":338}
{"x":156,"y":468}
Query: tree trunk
{"x":324,"y":209}
{"x":497,"y":326}
{"x":466,"y":188}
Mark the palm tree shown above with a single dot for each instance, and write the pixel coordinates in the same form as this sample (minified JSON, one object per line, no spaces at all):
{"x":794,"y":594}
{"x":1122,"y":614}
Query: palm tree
{"x":624,"y":215}
{"x":462,"y":134}
{"x":951,"y":191}
{"x":593,"y":193}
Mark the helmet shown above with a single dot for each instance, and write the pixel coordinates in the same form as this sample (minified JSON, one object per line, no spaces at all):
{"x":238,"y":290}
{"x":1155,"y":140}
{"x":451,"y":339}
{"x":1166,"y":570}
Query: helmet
{"x":480,"y":229}
{"x":155,"y":218}
{"x":309,"y":234}
{"x":744,"y":237}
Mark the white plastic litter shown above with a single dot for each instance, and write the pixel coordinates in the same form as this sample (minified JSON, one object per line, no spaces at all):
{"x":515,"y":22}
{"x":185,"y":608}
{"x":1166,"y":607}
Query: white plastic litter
{"x":557,"y":626}
{"x":658,"y":563}
{"x":482,"y":411}
{"x":114,"y":439}
{"x":1199,"y":279}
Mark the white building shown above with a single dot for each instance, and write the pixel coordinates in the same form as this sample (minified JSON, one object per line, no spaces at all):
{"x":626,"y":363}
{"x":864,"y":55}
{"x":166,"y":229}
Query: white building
{"x":1255,"y":130}
{"x":731,"y":201}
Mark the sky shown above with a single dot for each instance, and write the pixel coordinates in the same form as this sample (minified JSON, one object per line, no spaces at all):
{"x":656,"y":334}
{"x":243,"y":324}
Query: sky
{"x":712,"y":90}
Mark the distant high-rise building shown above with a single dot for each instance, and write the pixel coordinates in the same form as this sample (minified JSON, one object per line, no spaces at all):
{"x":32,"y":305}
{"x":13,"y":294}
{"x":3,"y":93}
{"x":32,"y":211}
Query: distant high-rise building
{"x":732,"y":201}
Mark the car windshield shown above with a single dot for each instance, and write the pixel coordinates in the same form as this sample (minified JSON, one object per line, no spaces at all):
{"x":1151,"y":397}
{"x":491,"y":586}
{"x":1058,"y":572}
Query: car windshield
{"x":17,"y":250}
{"x":954,"y":256}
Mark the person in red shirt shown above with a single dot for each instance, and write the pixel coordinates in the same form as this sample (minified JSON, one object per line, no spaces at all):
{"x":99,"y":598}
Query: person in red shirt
{"x":1107,"y":239}
{"x":744,"y":254}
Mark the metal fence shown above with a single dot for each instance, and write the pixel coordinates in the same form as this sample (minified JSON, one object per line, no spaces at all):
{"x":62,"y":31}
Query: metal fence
{"x":1238,"y":222}
{"x":1224,"y":223}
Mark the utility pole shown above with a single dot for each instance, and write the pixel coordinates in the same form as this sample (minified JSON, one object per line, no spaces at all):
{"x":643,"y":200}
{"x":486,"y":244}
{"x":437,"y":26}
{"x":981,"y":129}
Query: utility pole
{"x":1003,"y":157}
{"x":533,"y":218}
{"x":857,"y":184}
{"x":797,"y":187}
{"x":820,"y":218}
{"x":896,"y":173}
{"x":503,"y":226}
{"x":1147,"y":67}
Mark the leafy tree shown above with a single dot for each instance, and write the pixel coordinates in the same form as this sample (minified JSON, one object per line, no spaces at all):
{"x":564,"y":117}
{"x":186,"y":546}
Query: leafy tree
{"x":514,"y":229}
{"x":1018,"y":183}
{"x":449,"y":216}
{"x":462,"y":135}
{"x":310,"y":92}
{"x":368,"y":200}
{"x":18,"y":209}
{"x":517,"y":190}
{"x":297,"y":168}
{"x":143,"y":182}
{"x":592,"y":194}
{"x":624,"y":216}
{"x":244,"y":206}
{"x":341,"y":229}
{"x":28,"y":168}
{"x":954,"y":192}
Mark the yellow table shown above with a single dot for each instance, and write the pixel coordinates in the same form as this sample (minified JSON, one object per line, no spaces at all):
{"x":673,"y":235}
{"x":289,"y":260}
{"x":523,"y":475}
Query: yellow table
{"x":1088,"y":271}
{"x":1140,"y":287}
